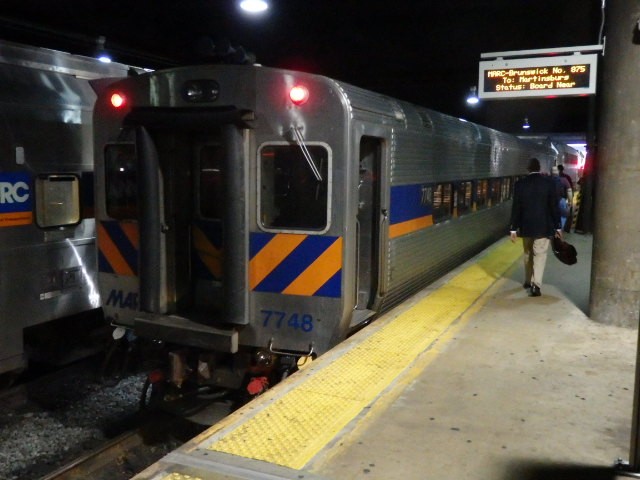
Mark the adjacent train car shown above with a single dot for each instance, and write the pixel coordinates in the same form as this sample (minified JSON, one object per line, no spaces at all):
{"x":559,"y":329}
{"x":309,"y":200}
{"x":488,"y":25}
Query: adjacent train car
{"x":572,"y":160}
{"x":47,"y":229}
{"x":250,"y":217}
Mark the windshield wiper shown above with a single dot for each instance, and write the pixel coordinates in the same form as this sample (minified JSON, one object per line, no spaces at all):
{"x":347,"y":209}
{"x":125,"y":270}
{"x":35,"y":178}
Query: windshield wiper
{"x":305,"y":152}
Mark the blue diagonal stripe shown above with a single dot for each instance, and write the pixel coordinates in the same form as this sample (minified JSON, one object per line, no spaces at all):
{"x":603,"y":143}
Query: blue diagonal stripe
{"x":127,"y":250}
{"x":258,"y":241}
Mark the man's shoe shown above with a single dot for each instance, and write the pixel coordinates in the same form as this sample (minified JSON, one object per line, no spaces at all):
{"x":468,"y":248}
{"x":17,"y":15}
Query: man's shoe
{"x":526,"y":285}
{"x":535,"y":291}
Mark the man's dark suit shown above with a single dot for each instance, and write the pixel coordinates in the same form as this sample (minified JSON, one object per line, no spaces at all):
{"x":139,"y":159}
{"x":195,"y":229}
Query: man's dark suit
{"x":535,"y":212}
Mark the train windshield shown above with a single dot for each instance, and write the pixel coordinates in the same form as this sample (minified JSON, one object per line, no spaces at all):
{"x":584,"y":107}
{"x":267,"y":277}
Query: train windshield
{"x":121,"y":178}
{"x":291,"y":195}
{"x":211,"y":198}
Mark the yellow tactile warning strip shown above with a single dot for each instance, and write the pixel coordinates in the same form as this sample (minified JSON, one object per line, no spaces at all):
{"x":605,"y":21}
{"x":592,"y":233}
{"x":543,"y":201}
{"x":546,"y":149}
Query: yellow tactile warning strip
{"x":180,"y":476}
{"x":292,"y":429}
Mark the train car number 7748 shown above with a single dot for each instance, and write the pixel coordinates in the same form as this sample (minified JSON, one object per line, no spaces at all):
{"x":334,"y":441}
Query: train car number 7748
{"x":296,"y":321}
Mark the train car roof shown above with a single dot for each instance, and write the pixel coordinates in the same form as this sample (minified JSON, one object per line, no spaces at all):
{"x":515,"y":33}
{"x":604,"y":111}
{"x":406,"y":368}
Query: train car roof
{"x":61,"y":62}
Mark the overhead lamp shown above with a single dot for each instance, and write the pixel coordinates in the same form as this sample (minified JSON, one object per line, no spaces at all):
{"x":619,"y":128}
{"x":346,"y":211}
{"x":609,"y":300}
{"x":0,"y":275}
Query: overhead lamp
{"x":101,"y":52}
{"x":254,"y":6}
{"x":526,"y":125}
{"x":473,"y":99}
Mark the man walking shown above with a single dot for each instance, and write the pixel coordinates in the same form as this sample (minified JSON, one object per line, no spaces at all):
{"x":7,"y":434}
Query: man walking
{"x":567,"y":225}
{"x":535,"y":217}
{"x":564,"y":193}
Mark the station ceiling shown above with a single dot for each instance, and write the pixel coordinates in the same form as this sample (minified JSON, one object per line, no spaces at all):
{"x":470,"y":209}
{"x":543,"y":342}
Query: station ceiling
{"x":425,"y":52}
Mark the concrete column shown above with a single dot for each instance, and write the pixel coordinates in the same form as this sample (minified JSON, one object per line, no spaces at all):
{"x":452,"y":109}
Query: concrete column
{"x":615,"y":277}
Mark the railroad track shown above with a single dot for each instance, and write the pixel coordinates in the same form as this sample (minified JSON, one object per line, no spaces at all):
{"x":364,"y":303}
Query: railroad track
{"x":131,"y":452}
{"x":69,"y":424}
{"x":118,"y":459}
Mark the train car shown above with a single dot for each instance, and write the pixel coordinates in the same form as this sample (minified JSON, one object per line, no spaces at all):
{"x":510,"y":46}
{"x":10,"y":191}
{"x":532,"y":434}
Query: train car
{"x":251,"y":217}
{"x":47,"y":228}
{"x":572,"y":160}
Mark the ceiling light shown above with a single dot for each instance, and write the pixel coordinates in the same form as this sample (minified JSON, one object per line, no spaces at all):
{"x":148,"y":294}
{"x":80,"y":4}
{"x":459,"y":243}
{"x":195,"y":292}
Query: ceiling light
{"x":254,"y":6}
{"x":101,"y":54}
{"x":472,"y":99}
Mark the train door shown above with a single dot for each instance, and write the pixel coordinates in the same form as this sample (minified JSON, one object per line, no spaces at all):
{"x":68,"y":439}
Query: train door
{"x":371,"y":220}
{"x":217,"y":278}
{"x":183,"y":182}
{"x":206,"y":259}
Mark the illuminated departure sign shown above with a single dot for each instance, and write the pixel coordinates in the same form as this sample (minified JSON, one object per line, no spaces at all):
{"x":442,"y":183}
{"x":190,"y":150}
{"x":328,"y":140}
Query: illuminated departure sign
{"x":538,"y":77}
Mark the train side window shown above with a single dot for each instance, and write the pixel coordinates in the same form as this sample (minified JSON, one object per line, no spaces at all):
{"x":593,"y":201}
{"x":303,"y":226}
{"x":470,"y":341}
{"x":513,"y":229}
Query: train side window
{"x":57,"y":200}
{"x":507,"y":188}
{"x":211,"y":194}
{"x":464,"y":196}
{"x":291,"y":195}
{"x":482,"y":193}
{"x":496,"y":190}
{"x":442,"y":202}
{"x":121,"y":183}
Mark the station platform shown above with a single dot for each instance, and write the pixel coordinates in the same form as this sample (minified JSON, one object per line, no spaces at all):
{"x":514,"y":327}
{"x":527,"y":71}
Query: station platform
{"x":469,"y":379}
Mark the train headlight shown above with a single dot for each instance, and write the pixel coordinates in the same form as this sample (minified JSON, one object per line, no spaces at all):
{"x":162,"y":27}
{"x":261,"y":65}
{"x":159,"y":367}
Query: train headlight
{"x":299,"y":94}
{"x":204,"y":90}
{"x":192,"y":92}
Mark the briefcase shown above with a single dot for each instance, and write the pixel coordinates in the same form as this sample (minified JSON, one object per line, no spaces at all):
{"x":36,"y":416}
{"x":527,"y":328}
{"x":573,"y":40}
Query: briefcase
{"x":564,"y":251}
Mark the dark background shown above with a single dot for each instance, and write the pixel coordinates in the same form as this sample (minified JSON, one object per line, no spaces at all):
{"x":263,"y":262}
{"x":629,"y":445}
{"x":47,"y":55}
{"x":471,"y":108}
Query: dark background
{"x":422,"y":51}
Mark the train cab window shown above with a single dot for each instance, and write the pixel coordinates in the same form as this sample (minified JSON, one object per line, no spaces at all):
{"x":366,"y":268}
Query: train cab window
{"x":211,"y":194}
{"x":464,"y":197}
{"x":495,"y":190}
{"x":442,"y":202}
{"x":57,"y":200}
{"x":121,"y":181}
{"x":482,"y":194}
{"x":293,"y":187}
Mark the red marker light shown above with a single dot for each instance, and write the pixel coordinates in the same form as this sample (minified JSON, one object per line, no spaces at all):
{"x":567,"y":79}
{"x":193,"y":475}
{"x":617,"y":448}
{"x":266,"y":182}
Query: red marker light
{"x":118,"y":100}
{"x":299,"y":94}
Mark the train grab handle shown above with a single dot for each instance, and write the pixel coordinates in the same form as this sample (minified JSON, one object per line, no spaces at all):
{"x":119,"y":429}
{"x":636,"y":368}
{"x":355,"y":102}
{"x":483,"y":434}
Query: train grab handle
{"x":293,"y":354}
{"x":384,"y":224}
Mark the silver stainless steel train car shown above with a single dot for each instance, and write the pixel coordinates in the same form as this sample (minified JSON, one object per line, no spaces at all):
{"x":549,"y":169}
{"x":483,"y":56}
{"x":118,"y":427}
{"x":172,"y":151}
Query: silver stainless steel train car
{"x":249,"y":215}
{"x":47,"y":228}
{"x":572,"y":160}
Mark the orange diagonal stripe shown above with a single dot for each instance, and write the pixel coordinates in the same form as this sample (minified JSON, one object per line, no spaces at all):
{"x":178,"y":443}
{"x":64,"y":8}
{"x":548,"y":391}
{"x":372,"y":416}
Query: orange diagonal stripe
{"x":208,"y":253}
{"x":132,"y":232}
{"x":319,"y":272}
{"x":271,"y":255}
{"x":111,"y":252}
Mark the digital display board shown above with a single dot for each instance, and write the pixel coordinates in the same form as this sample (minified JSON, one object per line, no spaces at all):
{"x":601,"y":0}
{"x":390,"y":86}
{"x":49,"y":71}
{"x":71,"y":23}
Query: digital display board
{"x":538,"y":77}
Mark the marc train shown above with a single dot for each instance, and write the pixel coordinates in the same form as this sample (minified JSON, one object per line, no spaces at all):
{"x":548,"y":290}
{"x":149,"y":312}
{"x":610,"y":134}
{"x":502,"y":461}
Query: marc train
{"x":250,"y":217}
{"x":48,"y":264}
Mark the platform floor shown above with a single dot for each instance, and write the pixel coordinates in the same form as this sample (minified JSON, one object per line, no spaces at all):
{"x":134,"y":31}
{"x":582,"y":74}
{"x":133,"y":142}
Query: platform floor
{"x":512,"y":388}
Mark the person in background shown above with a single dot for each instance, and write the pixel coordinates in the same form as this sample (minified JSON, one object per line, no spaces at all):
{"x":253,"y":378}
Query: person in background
{"x":535,"y":217}
{"x":567,"y":225}
{"x":564,"y":175}
{"x":565,"y":195}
